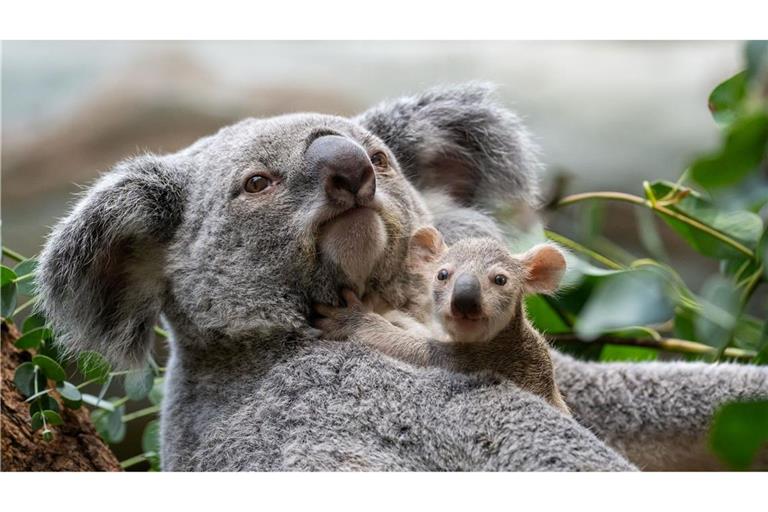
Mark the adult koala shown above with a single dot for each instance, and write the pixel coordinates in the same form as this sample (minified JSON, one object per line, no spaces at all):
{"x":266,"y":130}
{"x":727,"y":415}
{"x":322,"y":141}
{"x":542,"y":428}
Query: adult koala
{"x":233,"y":238}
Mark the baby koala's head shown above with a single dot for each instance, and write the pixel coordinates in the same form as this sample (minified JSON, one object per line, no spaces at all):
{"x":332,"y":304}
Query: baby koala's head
{"x":477,"y":283}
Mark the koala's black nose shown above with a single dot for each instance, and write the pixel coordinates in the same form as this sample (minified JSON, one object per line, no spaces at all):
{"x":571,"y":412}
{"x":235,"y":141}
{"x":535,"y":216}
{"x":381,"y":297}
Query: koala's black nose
{"x":345,"y":171}
{"x":467,"y":298}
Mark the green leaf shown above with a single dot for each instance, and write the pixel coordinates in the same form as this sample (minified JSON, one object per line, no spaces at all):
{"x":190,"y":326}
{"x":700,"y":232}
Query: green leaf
{"x":44,"y":403}
{"x":24,"y":379}
{"x":150,"y":440}
{"x":738,"y":431}
{"x":156,"y":395}
{"x":8,"y":293}
{"x":27,"y":286}
{"x":626,"y":299}
{"x":6,"y":275}
{"x":725,"y":100}
{"x":33,"y":322}
{"x":33,"y":338}
{"x":715,"y":323}
{"x":543,"y":315}
{"x":51,"y":368}
{"x":139,"y":383}
{"x":741,"y":154}
{"x":93,"y":366}
{"x":51,"y":418}
{"x":745,"y":227}
{"x":70,"y":394}
{"x":110,"y":424}
{"x":613,"y":353}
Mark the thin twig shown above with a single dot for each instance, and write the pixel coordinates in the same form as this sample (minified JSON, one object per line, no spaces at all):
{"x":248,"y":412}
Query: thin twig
{"x":13,"y":255}
{"x":668,"y":344}
{"x":630,"y":198}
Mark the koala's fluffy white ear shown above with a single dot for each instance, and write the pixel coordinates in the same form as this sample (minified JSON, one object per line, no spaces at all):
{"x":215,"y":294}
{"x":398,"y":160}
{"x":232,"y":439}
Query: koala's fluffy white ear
{"x":426,"y":245}
{"x":101,"y":272}
{"x":544,"y":268}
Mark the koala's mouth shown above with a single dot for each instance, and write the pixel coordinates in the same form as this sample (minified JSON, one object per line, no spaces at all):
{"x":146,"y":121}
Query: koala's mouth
{"x":467,"y":329}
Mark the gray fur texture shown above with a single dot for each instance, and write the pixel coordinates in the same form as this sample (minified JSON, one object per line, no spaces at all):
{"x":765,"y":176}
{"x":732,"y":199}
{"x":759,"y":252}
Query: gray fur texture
{"x":234,"y":275}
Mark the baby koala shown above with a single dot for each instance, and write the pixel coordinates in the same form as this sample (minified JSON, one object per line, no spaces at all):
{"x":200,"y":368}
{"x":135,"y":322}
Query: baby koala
{"x":476,"y":319}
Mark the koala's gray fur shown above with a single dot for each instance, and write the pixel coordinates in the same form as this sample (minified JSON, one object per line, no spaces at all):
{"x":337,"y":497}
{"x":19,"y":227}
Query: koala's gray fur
{"x":250,"y":387}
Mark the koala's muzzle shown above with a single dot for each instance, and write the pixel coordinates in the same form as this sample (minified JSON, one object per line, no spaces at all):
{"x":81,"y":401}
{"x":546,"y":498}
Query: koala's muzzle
{"x":467,"y":297}
{"x":345,"y":171}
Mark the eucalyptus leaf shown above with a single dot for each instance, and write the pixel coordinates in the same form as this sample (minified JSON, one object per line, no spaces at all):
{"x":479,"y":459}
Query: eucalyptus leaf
{"x":33,"y":322}
{"x":8,"y":297}
{"x":715,"y":323}
{"x":738,"y":432}
{"x":612,"y":353}
{"x":139,"y":383}
{"x":725,"y":100}
{"x":629,"y":298}
{"x":24,"y":379}
{"x":33,"y":338}
{"x":150,"y":440}
{"x":51,"y":418}
{"x":109,"y":424}
{"x":543,"y":316}
{"x":743,"y":226}
{"x":156,"y":394}
{"x":6,"y":275}
{"x":743,"y":150}
{"x":93,"y":366}
{"x":27,"y":286}
{"x":44,"y":403}
{"x":70,"y":393}
{"x":51,"y":368}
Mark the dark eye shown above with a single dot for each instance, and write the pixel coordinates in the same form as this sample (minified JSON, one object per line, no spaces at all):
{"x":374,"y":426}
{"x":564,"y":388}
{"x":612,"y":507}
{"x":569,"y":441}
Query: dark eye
{"x":500,"y":280}
{"x":379,"y":159}
{"x":442,"y":275}
{"x":256,"y":184}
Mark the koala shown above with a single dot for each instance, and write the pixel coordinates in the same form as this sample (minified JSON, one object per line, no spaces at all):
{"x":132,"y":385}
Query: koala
{"x":231,"y":240}
{"x":477,"y":287}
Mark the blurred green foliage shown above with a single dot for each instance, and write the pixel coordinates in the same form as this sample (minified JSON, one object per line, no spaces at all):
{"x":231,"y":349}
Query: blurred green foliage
{"x":611,"y":309}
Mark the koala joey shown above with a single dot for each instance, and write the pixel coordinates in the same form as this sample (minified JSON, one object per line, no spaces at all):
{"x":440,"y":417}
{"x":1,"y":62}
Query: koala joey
{"x":473,"y":318}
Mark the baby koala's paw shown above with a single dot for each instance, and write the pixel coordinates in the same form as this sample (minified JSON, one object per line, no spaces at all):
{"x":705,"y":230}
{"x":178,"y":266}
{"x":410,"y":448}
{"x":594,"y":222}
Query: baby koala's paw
{"x":340,"y":323}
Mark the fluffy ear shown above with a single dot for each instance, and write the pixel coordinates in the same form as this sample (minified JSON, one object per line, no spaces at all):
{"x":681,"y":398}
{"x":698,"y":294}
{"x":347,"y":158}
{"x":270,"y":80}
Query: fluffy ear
{"x":461,"y":140}
{"x":101,"y":271}
{"x":426,"y":245}
{"x":544,"y":267}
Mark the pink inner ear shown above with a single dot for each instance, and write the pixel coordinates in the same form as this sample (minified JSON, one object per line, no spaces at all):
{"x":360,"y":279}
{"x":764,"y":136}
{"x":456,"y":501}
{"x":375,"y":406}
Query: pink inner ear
{"x":545,"y":265}
{"x":426,"y":244}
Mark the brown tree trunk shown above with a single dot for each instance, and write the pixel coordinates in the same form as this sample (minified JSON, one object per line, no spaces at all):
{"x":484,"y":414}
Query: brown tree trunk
{"x":76,"y":445}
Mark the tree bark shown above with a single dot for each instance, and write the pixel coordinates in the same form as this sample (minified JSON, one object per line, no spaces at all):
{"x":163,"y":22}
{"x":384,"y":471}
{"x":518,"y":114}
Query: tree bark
{"x":76,"y":445}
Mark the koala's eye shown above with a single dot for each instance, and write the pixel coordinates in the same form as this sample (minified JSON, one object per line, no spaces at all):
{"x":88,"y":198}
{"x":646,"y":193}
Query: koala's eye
{"x":442,"y":275}
{"x":379,"y":159}
{"x":256,"y":184}
{"x":500,"y":280}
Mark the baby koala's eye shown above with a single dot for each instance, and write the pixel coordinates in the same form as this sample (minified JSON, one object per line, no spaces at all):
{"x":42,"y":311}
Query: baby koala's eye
{"x":256,"y":184}
{"x":379,"y":159}
{"x":500,"y":280}
{"x":442,"y":275}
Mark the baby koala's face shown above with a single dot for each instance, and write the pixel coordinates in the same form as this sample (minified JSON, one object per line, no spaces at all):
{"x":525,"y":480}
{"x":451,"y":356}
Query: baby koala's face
{"x":477,"y":284}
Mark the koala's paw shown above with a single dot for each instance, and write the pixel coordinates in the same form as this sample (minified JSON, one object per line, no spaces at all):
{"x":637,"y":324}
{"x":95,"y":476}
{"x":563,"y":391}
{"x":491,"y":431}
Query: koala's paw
{"x":340,"y":323}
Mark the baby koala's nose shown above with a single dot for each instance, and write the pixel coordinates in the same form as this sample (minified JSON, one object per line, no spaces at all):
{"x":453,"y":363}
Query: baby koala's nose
{"x":345,"y":171}
{"x":467,"y":297}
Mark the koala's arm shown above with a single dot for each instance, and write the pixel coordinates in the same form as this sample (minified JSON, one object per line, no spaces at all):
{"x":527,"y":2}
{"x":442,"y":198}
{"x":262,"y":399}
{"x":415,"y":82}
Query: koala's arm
{"x":459,"y":140}
{"x":657,"y":414}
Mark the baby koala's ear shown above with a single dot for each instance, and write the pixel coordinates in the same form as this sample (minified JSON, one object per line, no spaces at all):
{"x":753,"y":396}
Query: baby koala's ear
{"x":544,"y":267}
{"x":426,"y":246}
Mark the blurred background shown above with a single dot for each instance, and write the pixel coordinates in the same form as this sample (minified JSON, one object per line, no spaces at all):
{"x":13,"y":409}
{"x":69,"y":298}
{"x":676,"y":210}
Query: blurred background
{"x":607,"y":115}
